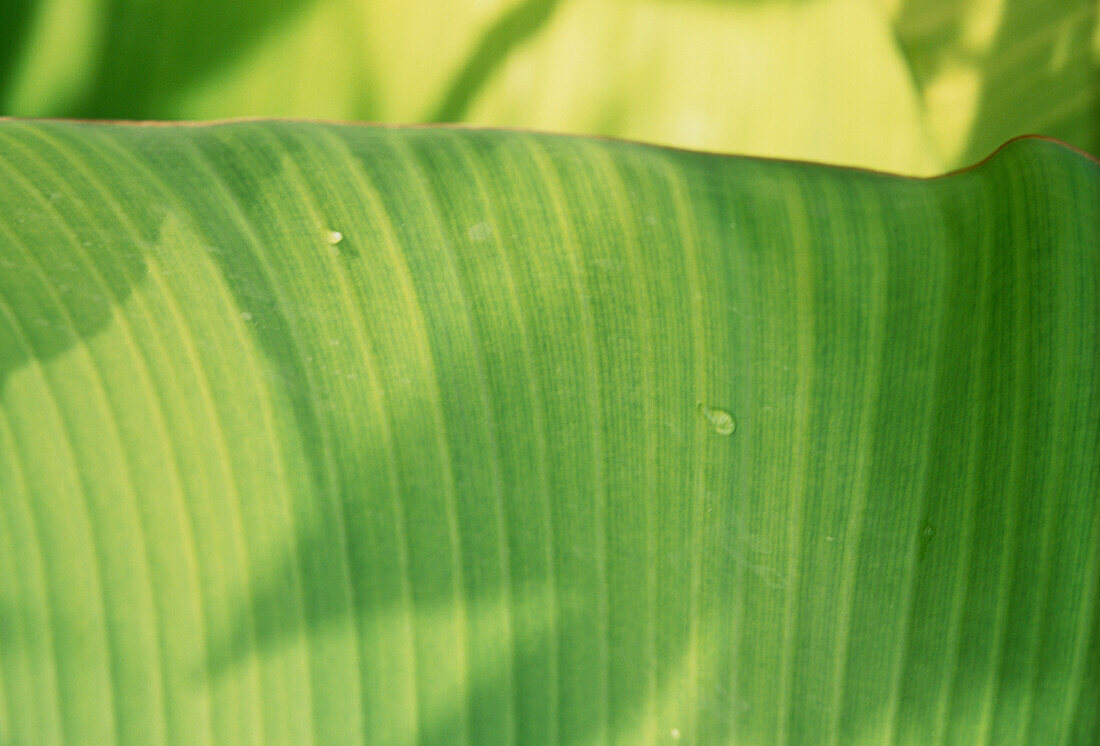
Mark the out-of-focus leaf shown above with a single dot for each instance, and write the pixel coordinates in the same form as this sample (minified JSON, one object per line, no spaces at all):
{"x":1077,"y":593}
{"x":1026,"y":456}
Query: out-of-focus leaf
{"x":988,"y":71}
{"x":820,"y":80}
{"x":13,"y":34}
{"x":928,"y":86}
{"x":129,"y":59}
{"x":919,"y":86}
{"x":320,"y":434}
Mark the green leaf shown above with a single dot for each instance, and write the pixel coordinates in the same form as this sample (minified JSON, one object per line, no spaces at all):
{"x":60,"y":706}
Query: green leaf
{"x":323,"y":434}
{"x":913,"y":86}
{"x":203,"y":59}
{"x":823,"y":80}
{"x":988,"y":71}
{"x":924,"y":87}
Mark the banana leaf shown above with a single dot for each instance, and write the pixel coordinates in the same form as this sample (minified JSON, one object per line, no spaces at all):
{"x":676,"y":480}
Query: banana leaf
{"x":331,"y":434}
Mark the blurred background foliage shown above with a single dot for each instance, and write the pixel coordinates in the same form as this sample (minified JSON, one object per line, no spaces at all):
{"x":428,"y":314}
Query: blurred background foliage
{"x":917,"y":86}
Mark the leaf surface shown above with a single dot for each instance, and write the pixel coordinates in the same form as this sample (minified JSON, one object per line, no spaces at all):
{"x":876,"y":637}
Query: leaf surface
{"x":323,"y":434}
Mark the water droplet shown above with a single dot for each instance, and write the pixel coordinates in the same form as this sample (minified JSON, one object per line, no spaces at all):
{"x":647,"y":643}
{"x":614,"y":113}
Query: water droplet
{"x":334,"y":237}
{"x":246,"y":316}
{"x":675,"y":733}
{"x":719,"y":419}
{"x":927,"y":532}
{"x":830,"y":538}
{"x":480,"y":231}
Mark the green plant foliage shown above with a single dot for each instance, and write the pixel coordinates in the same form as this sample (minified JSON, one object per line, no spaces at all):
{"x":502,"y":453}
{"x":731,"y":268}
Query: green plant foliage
{"x":323,"y":434}
{"x":912,"y":86}
{"x":988,"y":71}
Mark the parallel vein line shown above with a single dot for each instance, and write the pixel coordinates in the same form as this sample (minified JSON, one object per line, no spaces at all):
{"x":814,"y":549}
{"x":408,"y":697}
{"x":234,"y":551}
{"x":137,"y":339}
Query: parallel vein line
{"x":803,"y":281}
{"x":689,"y":244}
{"x":48,"y":629}
{"x":872,"y":385}
{"x":1014,"y":480}
{"x":202,"y":378}
{"x":386,"y":416}
{"x":463,"y":149}
{"x":617,"y":190}
{"x":396,"y":252}
{"x":126,"y":327}
{"x":111,"y":424}
{"x":983,"y":320}
{"x":54,"y":403}
{"x":447,"y":249}
{"x":908,"y":608}
{"x":303,"y":192}
{"x":1088,"y":296}
{"x":552,"y":181}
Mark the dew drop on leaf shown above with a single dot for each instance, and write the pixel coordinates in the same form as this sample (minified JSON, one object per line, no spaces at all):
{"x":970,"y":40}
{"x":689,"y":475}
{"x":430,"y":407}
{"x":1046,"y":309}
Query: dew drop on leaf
{"x":720,"y":420}
{"x":334,"y":237}
{"x":480,"y":232}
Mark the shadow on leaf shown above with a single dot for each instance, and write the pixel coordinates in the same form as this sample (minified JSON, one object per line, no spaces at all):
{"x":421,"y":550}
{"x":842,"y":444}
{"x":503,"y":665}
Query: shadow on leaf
{"x":66,"y":261}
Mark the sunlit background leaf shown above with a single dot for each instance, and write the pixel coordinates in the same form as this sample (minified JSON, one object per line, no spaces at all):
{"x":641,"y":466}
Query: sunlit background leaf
{"x":913,"y":86}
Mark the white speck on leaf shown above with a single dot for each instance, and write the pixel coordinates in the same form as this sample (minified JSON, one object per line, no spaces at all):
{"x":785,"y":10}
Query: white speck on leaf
{"x":334,"y":237}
